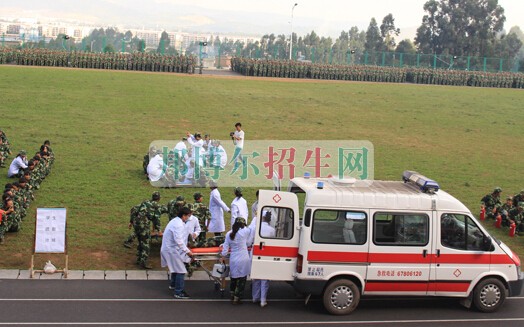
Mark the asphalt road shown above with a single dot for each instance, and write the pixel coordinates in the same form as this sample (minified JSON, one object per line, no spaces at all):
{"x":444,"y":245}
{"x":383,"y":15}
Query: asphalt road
{"x":150,"y":303}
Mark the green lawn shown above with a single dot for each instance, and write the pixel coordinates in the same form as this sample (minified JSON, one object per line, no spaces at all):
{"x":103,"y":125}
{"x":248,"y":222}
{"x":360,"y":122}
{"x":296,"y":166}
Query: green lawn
{"x":100,"y":124}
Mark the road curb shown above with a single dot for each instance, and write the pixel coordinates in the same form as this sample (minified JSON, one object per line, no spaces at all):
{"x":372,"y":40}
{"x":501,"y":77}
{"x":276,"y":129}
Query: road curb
{"x":13,"y":274}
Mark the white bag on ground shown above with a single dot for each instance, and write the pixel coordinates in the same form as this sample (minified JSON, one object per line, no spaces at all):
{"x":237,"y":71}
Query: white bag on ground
{"x":49,"y":268}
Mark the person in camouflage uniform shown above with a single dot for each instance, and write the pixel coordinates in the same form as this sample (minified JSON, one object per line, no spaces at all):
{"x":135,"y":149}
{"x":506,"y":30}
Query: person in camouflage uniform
{"x":174,"y":206}
{"x":201,"y":211}
{"x":3,"y":225}
{"x":517,"y":215}
{"x":133,"y":215}
{"x":518,"y":198}
{"x":504,"y":211}
{"x":5,"y":149}
{"x":491,"y":202}
{"x":149,"y":212}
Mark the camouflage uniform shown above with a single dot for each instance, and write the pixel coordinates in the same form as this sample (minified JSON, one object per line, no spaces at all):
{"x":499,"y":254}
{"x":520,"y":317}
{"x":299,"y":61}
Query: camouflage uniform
{"x":174,"y":206}
{"x":517,"y":215}
{"x":3,"y":225}
{"x":201,"y":211}
{"x":504,"y":211}
{"x":133,"y":215}
{"x":145,"y":163}
{"x":518,"y":198}
{"x":149,"y":212}
{"x":492,"y":202}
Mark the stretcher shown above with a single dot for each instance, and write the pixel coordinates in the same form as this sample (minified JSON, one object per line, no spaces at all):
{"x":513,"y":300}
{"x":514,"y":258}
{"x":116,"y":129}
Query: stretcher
{"x":212,"y":254}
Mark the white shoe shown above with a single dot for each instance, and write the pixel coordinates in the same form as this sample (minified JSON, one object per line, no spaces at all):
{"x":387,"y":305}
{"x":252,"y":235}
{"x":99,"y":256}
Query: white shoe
{"x":263,"y":304}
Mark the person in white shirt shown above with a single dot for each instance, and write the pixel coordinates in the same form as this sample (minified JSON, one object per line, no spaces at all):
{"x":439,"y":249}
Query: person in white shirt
{"x":192,"y":226}
{"x":198,"y":151}
{"x":217,"y":207}
{"x":237,"y":240}
{"x":156,"y":167}
{"x":260,"y":287}
{"x":20,"y":162}
{"x":207,"y":142}
{"x":254,"y":207}
{"x":174,"y":252}
{"x":238,"y":206}
{"x":181,"y":150}
{"x":238,"y":140}
{"x":217,"y":155}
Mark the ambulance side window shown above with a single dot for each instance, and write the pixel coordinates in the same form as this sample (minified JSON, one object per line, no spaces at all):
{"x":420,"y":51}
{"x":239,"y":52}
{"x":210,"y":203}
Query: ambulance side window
{"x":460,"y":232}
{"x":276,"y":223}
{"x":339,"y":227}
{"x":401,"y":229}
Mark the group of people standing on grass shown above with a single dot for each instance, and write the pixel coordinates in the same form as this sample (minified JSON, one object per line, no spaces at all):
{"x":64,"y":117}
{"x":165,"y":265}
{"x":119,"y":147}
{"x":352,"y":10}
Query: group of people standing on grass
{"x":187,"y":228}
{"x":510,"y":212}
{"x":17,"y":195}
{"x":188,"y":163}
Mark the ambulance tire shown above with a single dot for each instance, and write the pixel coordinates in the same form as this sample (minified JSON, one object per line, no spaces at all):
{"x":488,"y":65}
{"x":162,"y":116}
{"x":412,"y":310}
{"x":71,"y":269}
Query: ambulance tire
{"x":489,"y":295}
{"x":341,"y":297}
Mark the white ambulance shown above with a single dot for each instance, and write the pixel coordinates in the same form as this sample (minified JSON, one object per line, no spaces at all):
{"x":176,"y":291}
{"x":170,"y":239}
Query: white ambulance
{"x":359,"y":237}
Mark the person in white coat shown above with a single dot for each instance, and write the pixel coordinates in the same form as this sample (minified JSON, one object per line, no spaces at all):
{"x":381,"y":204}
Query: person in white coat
{"x":192,"y":226}
{"x":174,"y":252}
{"x":217,"y":207}
{"x":238,"y":206}
{"x":156,"y":167}
{"x":18,"y":163}
{"x":254,"y":207}
{"x":197,"y":144}
{"x":260,"y":287}
{"x":237,"y":240}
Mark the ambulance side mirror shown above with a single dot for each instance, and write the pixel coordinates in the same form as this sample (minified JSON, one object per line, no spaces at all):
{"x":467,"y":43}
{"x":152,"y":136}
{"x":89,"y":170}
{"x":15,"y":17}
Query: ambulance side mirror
{"x":487,"y":244}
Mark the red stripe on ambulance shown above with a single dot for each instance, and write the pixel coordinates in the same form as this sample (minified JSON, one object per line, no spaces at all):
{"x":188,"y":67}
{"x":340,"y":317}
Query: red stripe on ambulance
{"x":410,"y":258}
{"x":275,"y":251}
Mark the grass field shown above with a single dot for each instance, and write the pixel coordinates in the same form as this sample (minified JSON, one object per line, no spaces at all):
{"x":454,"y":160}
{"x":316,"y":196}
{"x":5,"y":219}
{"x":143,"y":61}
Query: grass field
{"x":100,"y":124}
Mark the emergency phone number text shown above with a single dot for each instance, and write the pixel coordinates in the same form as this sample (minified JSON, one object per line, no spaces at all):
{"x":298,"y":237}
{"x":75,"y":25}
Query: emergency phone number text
{"x":399,"y":273}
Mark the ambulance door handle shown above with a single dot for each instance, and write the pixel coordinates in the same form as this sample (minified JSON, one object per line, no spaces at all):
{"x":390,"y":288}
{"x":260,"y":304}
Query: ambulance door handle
{"x":438,"y":253}
{"x":261,"y":245}
{"x":424,"y":253}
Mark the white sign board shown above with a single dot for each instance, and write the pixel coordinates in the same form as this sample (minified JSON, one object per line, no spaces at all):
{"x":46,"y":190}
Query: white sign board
{"x":50,"y":230}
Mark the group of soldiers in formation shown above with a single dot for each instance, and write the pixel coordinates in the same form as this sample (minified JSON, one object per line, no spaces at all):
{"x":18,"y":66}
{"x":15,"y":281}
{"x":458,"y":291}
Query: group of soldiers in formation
{"x":139,"y":61}
{"x":5,"y":149}
{"x":370,"y":73}
{"x":144,"y":219}
{"x":511,"y":211}
{"x":17,"y":196}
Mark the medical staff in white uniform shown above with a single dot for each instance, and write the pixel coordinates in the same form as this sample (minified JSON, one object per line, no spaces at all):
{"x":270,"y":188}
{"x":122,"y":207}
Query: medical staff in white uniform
{"x":174,"y":252}
{"x":155,"y":168}
{"x":238,"y":206}
{"x":260,"y":287}
{"x":217,"y":207}
{"x":192,"y":225}
{"x":18,"y":163}
{"x":198,"y":152}
{"x":237,"y":240}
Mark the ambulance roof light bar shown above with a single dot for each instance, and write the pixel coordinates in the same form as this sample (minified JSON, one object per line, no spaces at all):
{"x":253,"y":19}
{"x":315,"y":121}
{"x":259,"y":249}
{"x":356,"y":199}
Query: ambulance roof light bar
{"x":425,"y":184}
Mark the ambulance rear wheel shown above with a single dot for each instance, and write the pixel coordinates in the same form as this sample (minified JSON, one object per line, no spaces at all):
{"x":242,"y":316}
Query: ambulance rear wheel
{"x":341,"y":297}
{"x":489,"y":295}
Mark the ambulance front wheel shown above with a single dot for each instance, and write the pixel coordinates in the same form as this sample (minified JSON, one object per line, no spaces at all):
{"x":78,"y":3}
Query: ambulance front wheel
{"x":489,"y":295}
{"x":341,"y":297}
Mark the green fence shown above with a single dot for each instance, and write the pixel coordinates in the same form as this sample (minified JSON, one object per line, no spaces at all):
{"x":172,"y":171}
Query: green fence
{"x":388,"y":59}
